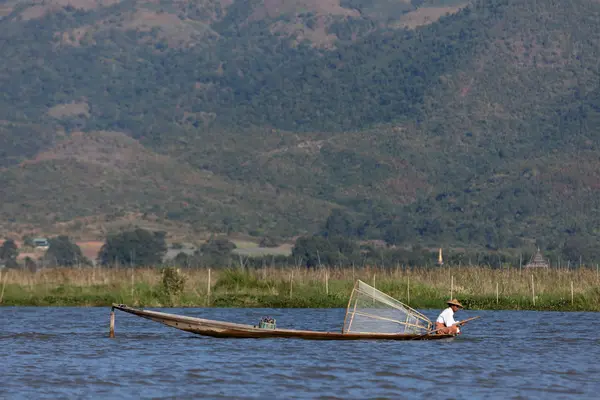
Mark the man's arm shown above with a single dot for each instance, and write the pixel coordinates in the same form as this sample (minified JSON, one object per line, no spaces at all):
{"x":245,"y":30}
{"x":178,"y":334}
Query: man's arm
{"x":450,"y":321}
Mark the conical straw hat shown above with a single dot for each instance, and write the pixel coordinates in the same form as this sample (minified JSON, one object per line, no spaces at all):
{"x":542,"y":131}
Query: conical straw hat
{"x":454,"y":302}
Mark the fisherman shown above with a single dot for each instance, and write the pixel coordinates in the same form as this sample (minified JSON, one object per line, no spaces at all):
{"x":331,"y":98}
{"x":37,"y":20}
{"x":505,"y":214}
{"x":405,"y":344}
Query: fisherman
{"x":445,"y":323}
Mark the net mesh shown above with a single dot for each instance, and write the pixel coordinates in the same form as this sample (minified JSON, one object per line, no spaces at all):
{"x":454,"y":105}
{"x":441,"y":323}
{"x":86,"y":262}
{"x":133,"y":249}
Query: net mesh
{"x":372,"y":311}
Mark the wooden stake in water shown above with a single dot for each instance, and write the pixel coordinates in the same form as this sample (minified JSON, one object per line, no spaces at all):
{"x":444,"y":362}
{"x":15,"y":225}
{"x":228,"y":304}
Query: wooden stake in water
{"x":408,"y":289}
{"x":452,"y":288}
{"x":327,"y":282}
{"x":532,"y":290}
{"x":291,"y":284}
{"x":111,"y":332}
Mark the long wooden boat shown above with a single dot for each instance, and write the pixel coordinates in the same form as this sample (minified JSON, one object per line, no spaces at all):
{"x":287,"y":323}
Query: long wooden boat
{"x":220,"y":329}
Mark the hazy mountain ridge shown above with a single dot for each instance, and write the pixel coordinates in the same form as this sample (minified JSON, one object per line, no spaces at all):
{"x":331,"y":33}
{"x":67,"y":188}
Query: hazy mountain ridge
{"x":479,"y":128}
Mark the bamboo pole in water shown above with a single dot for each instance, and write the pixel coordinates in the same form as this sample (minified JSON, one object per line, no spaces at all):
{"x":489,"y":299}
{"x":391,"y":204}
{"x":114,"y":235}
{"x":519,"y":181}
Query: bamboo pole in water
{"x":452,"y":287}
{"x":327,"y":282}
{"x":111,"y":332}
{"x":348,"y":308}
{"x":408,"y":289}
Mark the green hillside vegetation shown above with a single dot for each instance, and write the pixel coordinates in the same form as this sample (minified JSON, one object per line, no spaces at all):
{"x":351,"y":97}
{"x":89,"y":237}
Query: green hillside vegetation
{"x":478,"y":129}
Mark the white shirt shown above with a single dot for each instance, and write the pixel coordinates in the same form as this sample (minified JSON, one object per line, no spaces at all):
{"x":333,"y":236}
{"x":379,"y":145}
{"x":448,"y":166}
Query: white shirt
{"x":447,"y":317}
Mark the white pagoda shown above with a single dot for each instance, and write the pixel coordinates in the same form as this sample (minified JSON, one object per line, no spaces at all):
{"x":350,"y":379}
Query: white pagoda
{"x":537,"y":261}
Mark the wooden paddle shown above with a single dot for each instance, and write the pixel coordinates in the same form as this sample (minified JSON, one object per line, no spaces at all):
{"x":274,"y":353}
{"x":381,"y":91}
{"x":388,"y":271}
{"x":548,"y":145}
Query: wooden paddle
{"x":461,"y":323}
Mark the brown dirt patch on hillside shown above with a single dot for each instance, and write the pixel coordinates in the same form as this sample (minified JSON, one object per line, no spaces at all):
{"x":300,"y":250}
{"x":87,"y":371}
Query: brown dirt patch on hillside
{"x":69,"y":110}
{"x":275,"y":8}
{"x":113,"y":150}
{"x":425,"y":16}
{"x":322,"y":11}
{"x":6,"y":9}
{"x":145,"y":20}
{"x":118,"y":154}
{"x":76,"y":36}
{"x":175,"y":29}
{"x":317,"y":35}
{"x":42,"y":7}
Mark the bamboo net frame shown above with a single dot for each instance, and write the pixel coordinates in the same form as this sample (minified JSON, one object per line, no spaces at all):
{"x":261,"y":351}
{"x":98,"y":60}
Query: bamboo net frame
{"x":372,"y":311}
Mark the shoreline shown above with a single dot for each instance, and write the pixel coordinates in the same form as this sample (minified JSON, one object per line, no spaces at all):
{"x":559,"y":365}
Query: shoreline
{"x":85,"y":302}
{"x":478,"y":288}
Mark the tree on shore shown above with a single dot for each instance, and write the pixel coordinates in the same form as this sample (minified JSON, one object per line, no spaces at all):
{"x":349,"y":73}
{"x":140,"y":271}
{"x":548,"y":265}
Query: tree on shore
{"x":28,"y":241}
{"x":139,"y":247}
{"x":313,"y":251}
{"x":8,"y":253}
{"x":64,"y":253}
{"x":215,"y":252}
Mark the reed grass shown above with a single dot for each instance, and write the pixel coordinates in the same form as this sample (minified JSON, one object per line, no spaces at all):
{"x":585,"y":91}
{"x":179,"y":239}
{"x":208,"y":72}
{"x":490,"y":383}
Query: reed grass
{"x":475,"y":287}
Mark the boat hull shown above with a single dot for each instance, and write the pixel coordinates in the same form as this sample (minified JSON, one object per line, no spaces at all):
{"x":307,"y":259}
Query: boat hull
{"x":220,"y":329}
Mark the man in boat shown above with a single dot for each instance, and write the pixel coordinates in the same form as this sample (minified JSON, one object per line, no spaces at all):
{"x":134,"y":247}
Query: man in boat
{"x":445,"y":322}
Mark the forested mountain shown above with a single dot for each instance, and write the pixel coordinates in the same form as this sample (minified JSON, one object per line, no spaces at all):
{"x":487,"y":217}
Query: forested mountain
{"x":438,"y":122}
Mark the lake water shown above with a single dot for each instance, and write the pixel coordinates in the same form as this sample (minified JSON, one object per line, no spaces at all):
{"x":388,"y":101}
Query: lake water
{"x":66,"y":353}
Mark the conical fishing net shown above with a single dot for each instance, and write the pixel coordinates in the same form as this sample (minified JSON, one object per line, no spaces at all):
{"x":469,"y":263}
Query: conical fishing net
{"x":372,"y":311}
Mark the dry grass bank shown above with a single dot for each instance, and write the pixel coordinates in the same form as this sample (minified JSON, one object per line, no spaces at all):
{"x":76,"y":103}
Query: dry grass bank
{"x":476,"y":287}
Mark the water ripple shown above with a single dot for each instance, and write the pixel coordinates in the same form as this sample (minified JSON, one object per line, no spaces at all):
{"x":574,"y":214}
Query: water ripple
{"x":53,"y":353}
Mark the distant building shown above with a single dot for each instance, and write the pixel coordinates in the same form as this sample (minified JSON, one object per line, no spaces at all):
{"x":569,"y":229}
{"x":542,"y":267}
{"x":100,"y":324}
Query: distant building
{"x":537,"y":261}
{"x":41,"y":243}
